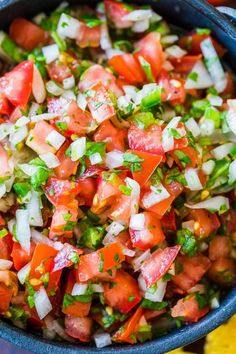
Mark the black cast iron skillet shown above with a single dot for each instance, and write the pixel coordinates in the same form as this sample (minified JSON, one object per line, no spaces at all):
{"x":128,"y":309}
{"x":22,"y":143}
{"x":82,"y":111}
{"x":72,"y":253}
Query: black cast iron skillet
{"x":187,"y":14}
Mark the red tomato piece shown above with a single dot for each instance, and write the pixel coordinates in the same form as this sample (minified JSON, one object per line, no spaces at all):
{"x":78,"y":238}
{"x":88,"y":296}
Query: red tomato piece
{"x":188,"y":309}
{"x":87,"y":191}
{"x":228,"y":219}
{"x":37,"y":138}
{"x":219,"y":247}
{"x":67,"y":167}
{"x":148,"y":140}
{"x":168,"y":221}
{"x":223,"y":271}
{"x":5,"y":105}
{"x":192,"y":155}
{"x":27,"y":34}
{"x":111,"y":135}
{"x":173,"y":89}
{"x":207,"y":223}
{"x":20,"y":256}
{"x":124,"y":295}
{"x":100,"y":103}
{"x":128,"y":67}
{"x":4,"y":165}
{"x":121,"y":209}
{"x":150,"y":236}
{"x":115,"y":11}
{"x":17,"y":84}
{"x":158,"y":264}
{"x":193,"y":269}
{"x":105,"y":258}
{"x":60,"y":191}
{"x":79,"y":327}
{"x":64,"y":257}
{"x":185,"y":64}
{"x":6,"y":244}
{"x":58,"y":71}
{"x":5,"y":296}
{"x":88,"y":36}
{"x":126,"y":332}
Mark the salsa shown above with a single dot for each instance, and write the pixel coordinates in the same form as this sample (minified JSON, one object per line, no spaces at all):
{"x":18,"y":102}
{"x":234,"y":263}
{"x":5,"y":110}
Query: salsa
{"x":117,"y":174}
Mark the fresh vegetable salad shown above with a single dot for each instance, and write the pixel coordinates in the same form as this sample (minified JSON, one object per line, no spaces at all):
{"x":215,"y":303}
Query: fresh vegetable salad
{"x":117,"y":174}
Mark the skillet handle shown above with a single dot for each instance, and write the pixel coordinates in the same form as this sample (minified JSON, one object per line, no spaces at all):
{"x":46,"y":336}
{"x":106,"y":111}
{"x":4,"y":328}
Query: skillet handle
{"x":229,"y":12}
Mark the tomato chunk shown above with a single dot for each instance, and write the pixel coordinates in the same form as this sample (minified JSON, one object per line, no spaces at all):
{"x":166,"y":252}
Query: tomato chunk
{"x":58,"y":71}
{"x":59,"y":191}
{"x":219,"y":247}
{"x":173,"y":89}
{"x":65,"y":257}
{"x":79,"y":327}
{"x":207,"y":223}
{"x":88,"y":37}
{"x":124,"y":334}
{"x":188,"y":309}
{"x":67,"y":167}
{"x":20,"y":256}
{"x":6,"y":244}
{"x":100,"y":103}
{"x":148,"y":140}
{"x":5,"y":295}
{"x":223,"y":271}
{"x":128,"y":67}
{"x":111,"y":135}
{"x":115,"y":11}
{"x":5,"y":105}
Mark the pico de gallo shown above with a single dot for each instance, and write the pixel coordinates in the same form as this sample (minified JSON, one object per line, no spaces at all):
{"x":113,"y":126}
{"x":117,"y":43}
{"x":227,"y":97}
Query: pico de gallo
{"x":117,"y":174}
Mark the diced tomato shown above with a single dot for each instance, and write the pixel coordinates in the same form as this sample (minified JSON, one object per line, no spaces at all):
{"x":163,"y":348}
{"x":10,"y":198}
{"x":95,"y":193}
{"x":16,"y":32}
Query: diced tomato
{"x":6,"y":244}
{"x":207,"y":223}
{"x":60,"y":191}
{"x":124,"y":293}
{"x":111,"y":135}
{"x":158,"y":264}
{"x":191,"y":153}
{"x":193,"y":269}
{"x":173,"y":89}
{"x":223,"y":271}
{"x":5,"y":105}
{"x":124,"y":334}
{"x":5,"y":296}
{"x":64,"y":258}
{"x":115,"y":11}
{"x":168,"y":221}
{"x":42,"y":263}
{"x":58,"y":71}
{"x":79,"y":327}
{"x":128,"y":67}
{"x":100,"y":103}
{"x":188,"y":308}
{"x":88,"y":189}
{"x":185,"y":64}
{"x":2,"y":221}
{"x":64,"y":219}
{"x":121,"y":209}
{"x":217,"y":2}
{"x":88,"y":36}
{"x":105,"y":258}
{"x":20,"y":256}
{"x":219,"y":247}
{"x":27,"y":34}
{"x":150,"y":236}
{"x":16,"y":85}
{"x":228,"y":219}
{"x":67,"y":167}
{"x":38,"y":136}
{"x":148,"y":140}
{"x":4,"y":165}
{"x":151,"y":314}
{"x":149,"y":47}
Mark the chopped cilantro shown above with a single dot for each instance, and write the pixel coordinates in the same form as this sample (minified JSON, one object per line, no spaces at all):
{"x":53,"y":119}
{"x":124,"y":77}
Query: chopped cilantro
{"x":125,"y":190}
{"x":132,"y":161}
{"x":188,"y":242}
{"x":101,"y":265}
{"x":148,"y":304}
{"x":184,"y":159}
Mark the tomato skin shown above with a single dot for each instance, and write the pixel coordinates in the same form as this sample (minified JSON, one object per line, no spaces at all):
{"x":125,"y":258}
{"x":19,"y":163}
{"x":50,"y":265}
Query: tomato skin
{"x":223,"y":271}
{"x":158,"y":264}
{"x":21,"y":257}
{"x":62,"y":258}
{"x":191,"y":153}
{"x":118,"y":296}
{"x":27,"y":34}
{"x":208,"y":222}
{"x":188,"y":309}
{"x":58,"y":71}
{"x":59,"y":191}
{"x":193,"y":269}
{"x":100,"y":112}
{"x":149,"y":140}
{"x":88,"y":37}
{"x":5,"y":296}
{"x":128,"y":67}
{"x":5,"y":105}
{"x":17,"y":84}
{"x":6,"y":244}
{"x":186,"y":63}
{"x":219,"y":247}
{"x":173,"y":89}
{"x":149,"y":47}
{"x":79,"y":327}
{"x":115,"y":11}
{"x":124,"y":334}
{"x":152,"y":234}
{"x":111,"y":135}
{"x":67,"y":167}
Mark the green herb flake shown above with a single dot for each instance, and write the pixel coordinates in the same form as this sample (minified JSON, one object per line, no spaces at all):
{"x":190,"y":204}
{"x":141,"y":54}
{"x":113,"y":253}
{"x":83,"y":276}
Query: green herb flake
{"x":193,"y":76}
{"x":101,"y":264}
{"x":125,"y":190}
{"x":132,"y":161}
{"x":184,"y":159}
{"x":188,"y":242}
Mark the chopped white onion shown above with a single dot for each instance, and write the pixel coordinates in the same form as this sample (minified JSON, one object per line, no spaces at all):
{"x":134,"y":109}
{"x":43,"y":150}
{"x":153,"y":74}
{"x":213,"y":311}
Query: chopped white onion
{"x":18,"y":135}
{"x":159,"y":293}
{"x":78,"y":148}
{"x":231,"y":120}
{"x":232,"y":172}
{"x":140,"y":26}
{"x":69,"y":95}
{"x":2,"y":190}
{"x":68,"y":26}
{"x":50,"y":53}
{"x":213,"y":64}
{"x":167,"y":65}
{"x":203,"y":246}
{"x":79,"y":289}
{"x":145,"y":91}
{"x":169,"y":39}
{"x":138,"y":261}
{"x":123,"y":103}
{"x":115,"y":228}
{"x":40,"y":238}
{"x":193,"y":127}
{"x":81,"y":101}
{"x":114,"y":159}
{"x":203,"y":79}
{"x":207,"y":127}
{"x":42,"y":303}
{"x":23,"y":273}
{"x":167,"y":137}
{"x":222,"y":151}
{"x":130,"y":92}
{"x":192,"y":179}
{"x":137,"y":221}
{"x":214,"y":303}
{"x":128,"y":252}
{"x":108,"y":239}
{"x":5,"y":264}
{"x":5,"y":130}
{"x":189,"y":225}
{"x":38,"y":87}
{"x":23,"y":229}
{"x":215,"y":101}
{"x":208,"y":167}
{"x":212,"y":204}
{"x":54,"y":88}
{"x":102,"y":339}
{"x":157,"y":195}
{"x":137,"y":15}
{"x":175,"y":51}
{"x":200,"y":288}
{"x":50,"y":160}
{"x":95,"y":158}
{"x":69,"y":83}
{"x":28,"y":169}
{"x":44,"y":116}
{"x":21,"y":122}
{"x":55,"y":139}
{"x":34,"y":209}
{"x":105,"y":40}
{"x":97,"y":288}
{"x":135,"y":194}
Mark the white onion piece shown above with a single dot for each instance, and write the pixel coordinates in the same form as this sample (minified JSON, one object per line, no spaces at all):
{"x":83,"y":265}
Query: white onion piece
{"x":44,"y":116}
{"x":189,"y":225}
{"x":28,"y":169}
{"x":145,"y":91}
{"x":79,"y":289}
{"x":114,"y":159}
{"x":33,"y":109}
{"x":40,"y":238}
{"x":38,"y":18}
{"x":193,"y":127}
{"x":95,"y":158}
{"x":157,"y":195}
{"x":23,"y":273}
{"x":68,"y":26}
{"x":54,"y":88}
{"x":5,"y":264}
{"x":207,"y":127}
{"x":140,"y":26}
{"x":123,"y":103}
{"x":208,"y":167}
{"x":97,"y":288}
{"x":22,"y":121}
{"x":159,"y":294}
{"x":175,"y":51}
{"x":69,"y":95}
{"x":50,"y":53}
{"x":42,"y":303}
{"x":231,"y":120}
{"x":222,"y":151}
{"x":138,"y":261}
{"x":213,"y":64}
{"x":137,"y":221}
{"x":200,"y":288}
{"x":135,"y":194}
{"x":130,"y":92}
{"x":213,"y":204}
{"x":214,"y":303}
{"x":18,"y":135}
{"x":108,"y":239}
{"x":81,"y":101}
{"x":169,"y":39}
{"x":167,"y":137}
{"x":232,"y":172}
{"x":78,"y":148}
{"x":105,"y":40}
{"x":23,"y":229}
{"x":193,"y":181}
{"x":138,"y":15}
{"x":55,"y":139}
{"x":9,"y":183}
{"x":115,"y":228}
{"x":50,"y":160}
{"x":69,"y":83}
{"x":102,"y":339}
{"x":128,"y":252}
{"x":2,"y":190}
{"x":167,"y":65}
{"x":38,"y":87}
{"x":215,"y":101}
{"x":111,"y":52}
{"x":5,"y":130}
{"x":34,"y":209}
{"x":203,"y":246}
{"x":203,"y":79}
{"x":142,"y":284}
